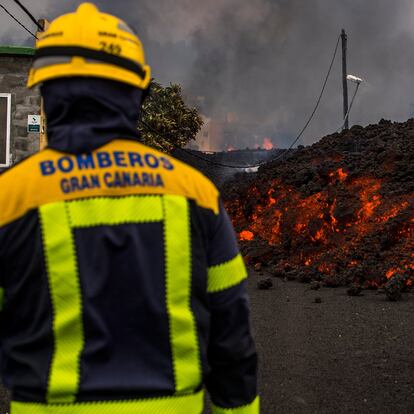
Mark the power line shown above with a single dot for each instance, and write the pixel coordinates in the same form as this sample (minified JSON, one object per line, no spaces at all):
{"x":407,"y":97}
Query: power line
{"x":320,"y":96}
{"x":143,"y":123}
{"x":32,"y":18}
{"x":282,"y":154}
{"x":17,"y":21}
{"x":317,"y":102}
{"x":218,"y":164}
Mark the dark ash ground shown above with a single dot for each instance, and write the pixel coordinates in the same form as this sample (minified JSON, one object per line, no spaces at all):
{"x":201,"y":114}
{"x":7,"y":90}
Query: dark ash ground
{"x":344,"y":355}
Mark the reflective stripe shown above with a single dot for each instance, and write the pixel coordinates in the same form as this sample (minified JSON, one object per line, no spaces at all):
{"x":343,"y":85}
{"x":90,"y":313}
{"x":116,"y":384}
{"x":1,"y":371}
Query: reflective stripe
{"x":226,"y":275}
{"x":51,"y":60}
{"x":66,"y":301}
{"x":124,"y":27}
{"x":183,"y":333}
{"x":191,"y":404}
{"x":58,"y":219}
{"x":84,"y":52}
{"x":253,"y":408}
{"x":112,"y":211}
{"x":28,"y":188}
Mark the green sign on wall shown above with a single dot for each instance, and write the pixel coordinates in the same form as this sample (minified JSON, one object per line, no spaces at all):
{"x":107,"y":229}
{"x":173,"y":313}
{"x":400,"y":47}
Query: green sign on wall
{"x":33,"y":123}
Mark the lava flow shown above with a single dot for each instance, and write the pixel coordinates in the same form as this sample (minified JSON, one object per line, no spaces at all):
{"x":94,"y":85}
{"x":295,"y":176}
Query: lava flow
{"x":337,"y":217}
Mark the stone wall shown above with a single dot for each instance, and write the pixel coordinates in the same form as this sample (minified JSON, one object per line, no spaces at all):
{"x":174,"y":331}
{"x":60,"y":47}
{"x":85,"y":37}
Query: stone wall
{"x":13,"y":77}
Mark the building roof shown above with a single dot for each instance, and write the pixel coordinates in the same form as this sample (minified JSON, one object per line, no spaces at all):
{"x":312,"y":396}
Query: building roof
{"x":16,"y":51}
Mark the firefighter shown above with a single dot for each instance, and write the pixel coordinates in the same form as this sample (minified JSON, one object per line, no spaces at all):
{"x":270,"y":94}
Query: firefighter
{"x":123,"y":287}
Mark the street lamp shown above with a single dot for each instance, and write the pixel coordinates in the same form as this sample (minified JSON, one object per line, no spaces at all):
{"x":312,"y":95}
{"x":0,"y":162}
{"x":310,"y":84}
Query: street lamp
{"x":354,"y":79}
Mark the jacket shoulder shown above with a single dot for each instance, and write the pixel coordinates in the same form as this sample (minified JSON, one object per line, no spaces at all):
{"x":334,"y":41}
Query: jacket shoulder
{"x":189,"y":181}
{"x":18,"y":185}
{"x":119,"y":168}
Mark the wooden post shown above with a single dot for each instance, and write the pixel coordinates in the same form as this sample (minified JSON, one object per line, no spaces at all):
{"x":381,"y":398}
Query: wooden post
{"x":43,"y":131}
{"x":344,"y":75}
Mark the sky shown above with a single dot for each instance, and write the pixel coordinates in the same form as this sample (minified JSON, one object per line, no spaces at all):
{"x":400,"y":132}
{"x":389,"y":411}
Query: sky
{"x":266,"y":60}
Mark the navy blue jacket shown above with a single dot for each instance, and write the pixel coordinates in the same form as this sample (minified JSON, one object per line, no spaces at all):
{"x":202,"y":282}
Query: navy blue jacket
{"x":123,"y":284}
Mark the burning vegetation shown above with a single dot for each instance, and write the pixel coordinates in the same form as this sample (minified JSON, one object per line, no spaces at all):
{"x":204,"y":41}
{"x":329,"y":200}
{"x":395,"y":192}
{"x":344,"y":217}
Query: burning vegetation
{"x":340,"y":211}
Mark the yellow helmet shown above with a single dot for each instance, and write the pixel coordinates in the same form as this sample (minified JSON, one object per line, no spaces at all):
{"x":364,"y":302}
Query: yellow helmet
{"x":89,"y":43}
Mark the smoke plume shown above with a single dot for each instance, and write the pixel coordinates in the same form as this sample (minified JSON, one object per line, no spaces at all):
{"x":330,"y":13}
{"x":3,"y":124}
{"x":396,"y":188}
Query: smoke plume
{"x":266,"y":60}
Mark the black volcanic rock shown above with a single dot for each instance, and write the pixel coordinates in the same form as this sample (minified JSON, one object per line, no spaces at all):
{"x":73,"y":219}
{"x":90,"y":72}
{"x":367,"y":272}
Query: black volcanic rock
{"x":342,"y":208}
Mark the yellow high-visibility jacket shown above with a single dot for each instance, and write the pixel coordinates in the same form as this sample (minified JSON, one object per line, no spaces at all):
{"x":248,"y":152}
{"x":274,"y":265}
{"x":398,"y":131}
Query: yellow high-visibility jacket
{"x":123,"y":287}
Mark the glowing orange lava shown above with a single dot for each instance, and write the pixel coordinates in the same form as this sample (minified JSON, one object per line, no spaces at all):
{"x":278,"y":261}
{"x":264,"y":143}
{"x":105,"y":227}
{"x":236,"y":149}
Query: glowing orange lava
{"x":340,"y":174}
{"x":348,"y":226}
{"x":271,"y":199}
{"x":246,"y":235}
{"x":390,"y":273}
{"x":392,"y":212}
{"x":369,"y":199}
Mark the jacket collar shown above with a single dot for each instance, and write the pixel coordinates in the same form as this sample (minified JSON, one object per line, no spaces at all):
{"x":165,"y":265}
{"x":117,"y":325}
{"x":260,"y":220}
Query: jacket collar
{"x":84,"y":114}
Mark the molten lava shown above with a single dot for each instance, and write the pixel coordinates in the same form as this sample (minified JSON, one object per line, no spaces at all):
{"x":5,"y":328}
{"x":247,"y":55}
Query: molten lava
{"x":246,"y":235}
{"x":343,"y":233}
{"x":339,"y":211}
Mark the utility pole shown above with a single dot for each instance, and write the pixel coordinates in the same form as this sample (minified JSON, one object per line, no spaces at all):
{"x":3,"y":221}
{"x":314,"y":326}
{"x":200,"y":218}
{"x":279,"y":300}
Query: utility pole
{"x":344,"y":75}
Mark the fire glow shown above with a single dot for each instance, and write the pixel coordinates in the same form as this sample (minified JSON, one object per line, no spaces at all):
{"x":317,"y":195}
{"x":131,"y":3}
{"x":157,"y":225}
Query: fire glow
{"x":349,"y":229}
{"x":267,"y":144}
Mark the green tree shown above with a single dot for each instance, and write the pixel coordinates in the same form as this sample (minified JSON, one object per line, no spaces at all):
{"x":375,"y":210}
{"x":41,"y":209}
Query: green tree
{"x":167,"y":122}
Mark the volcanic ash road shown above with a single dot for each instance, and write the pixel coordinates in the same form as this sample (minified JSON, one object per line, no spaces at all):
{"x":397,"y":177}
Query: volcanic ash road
{"x":343,"y":355}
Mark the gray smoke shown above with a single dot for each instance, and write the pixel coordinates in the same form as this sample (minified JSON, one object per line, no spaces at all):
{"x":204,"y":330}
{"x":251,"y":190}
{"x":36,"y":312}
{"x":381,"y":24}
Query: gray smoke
{"x":265,"y":60}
